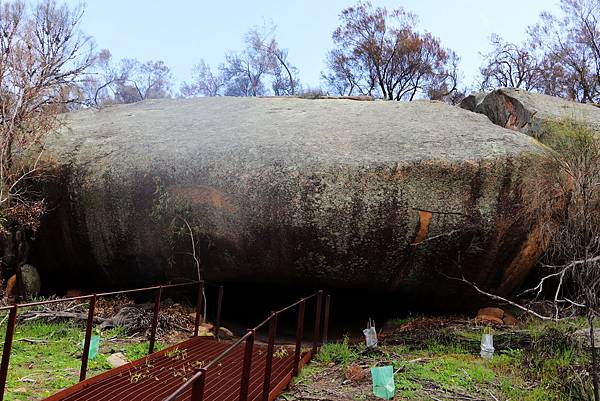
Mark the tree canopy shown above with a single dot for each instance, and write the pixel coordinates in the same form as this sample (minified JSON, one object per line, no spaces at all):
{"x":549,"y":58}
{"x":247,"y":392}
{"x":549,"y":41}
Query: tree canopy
{"x":379,"y":53}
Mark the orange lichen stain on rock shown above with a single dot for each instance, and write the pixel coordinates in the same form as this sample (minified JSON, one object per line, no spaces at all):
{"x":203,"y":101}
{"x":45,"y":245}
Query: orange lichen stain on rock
{"x":512,"y":122}
{"x":424,"y":221}
{"x":524,"y":261}
{"x":203,"y":195}
{"x":11,"y":287}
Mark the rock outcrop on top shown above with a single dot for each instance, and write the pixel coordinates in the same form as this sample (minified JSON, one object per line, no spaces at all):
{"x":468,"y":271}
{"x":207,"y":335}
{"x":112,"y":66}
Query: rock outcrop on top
{"x":527,"y":112}
{"x":374,"y":196}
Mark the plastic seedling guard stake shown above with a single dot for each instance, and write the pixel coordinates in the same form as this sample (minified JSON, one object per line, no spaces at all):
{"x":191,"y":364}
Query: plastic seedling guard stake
{"x":383,"y":382}
{"x":487,"y":343}
{"x":370,"y":334}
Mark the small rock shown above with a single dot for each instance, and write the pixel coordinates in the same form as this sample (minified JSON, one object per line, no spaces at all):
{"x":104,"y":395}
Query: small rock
{"x":225,"y":333}
{"x":582,"y":336}
{"x":490,"y":319}
{"x":493,"y":312}
{"x":207,"y":326}
{"x":116,"y":360}
{"x":204,"y":332}
{"x":509,"y":319}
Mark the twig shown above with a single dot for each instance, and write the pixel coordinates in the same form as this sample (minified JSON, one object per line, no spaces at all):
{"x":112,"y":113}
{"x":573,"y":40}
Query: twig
{"x":492,"y":394}
{"x":498,"y":297}
{"x":4,"y":319}
{"x":33,"y":340}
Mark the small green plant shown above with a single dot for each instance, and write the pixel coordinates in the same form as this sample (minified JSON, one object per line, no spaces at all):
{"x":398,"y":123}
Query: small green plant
{"x":339,"y":353}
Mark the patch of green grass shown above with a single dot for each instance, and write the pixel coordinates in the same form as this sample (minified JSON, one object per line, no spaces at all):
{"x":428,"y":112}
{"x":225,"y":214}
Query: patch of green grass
{"x":115,"y":332}
{"x":139,"y":350}
{"x":450,"y":372}
{"x":338,"y":352}
{"x":465,"y":374}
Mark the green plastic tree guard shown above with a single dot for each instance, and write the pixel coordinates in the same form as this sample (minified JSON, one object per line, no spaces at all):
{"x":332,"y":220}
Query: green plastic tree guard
{"x":383,"y":382}
{"x":94,"y":346}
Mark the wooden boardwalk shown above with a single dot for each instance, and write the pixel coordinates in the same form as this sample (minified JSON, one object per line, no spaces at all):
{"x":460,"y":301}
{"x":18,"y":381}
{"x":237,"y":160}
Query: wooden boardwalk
{"x":198,"y":369}
{"x":158,"y":375}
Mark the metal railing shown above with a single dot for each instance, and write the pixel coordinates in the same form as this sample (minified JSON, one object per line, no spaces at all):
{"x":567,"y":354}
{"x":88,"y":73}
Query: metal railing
{"x":197,"y":381}
{"x":13,"y":311}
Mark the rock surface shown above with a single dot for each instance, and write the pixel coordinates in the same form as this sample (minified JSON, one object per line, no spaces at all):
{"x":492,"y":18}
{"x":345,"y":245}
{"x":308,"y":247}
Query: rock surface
{"x":116,"y":360}
{"x":31,"y":283}
{"x":582,"y":337}
{"x":335,"y":193}
{"x":527,"y":112}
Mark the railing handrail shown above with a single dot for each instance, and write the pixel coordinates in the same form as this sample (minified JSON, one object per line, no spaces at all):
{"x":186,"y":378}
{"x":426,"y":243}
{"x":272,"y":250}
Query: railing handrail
{"x":13,"y":310}
{"x":100,"y":294}
{"x":181,"y":389}
{"x":156,"y":287}
{"x":298,"y":302}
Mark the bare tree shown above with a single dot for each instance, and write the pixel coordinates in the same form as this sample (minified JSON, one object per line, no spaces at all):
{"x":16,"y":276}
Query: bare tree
{"x":96,"y":84}
{"x":508,"y":65}
{"x":284,"y":75}
{"x":570,"y":45}
{"x":140,"y":81}
{"x":244,"y":72}
{"x":379,"y":53}
{"x":343,"y":76}
{"x":250,"y":72}
{"x":205,"y":82}
{"x":127,"y":81}
{"x":43,"y":56}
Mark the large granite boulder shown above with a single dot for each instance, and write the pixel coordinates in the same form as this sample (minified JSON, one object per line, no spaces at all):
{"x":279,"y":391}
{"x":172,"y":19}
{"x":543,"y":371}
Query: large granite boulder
{"x":527,"y":112}
{"x":380,"y":196}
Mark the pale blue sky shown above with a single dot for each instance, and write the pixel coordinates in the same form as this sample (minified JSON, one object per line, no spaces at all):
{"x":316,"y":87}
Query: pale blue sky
{"x":181,"y":32}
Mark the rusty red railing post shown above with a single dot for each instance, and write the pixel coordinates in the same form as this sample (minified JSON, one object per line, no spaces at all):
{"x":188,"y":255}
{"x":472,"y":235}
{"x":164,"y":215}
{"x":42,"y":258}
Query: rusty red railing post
{"x":88,"y":338}
{"x":245,"y":382}
{"x":157,"y":297}
{"x":198,"y":386}
{"x":299,"y":333}
{"x":8,"y":339}
{"x":317,"y":333}
{"x":219,"y":306}
{"x":326,"y":318}
{"x":269,"y":357}
{"x":198,"y":307}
